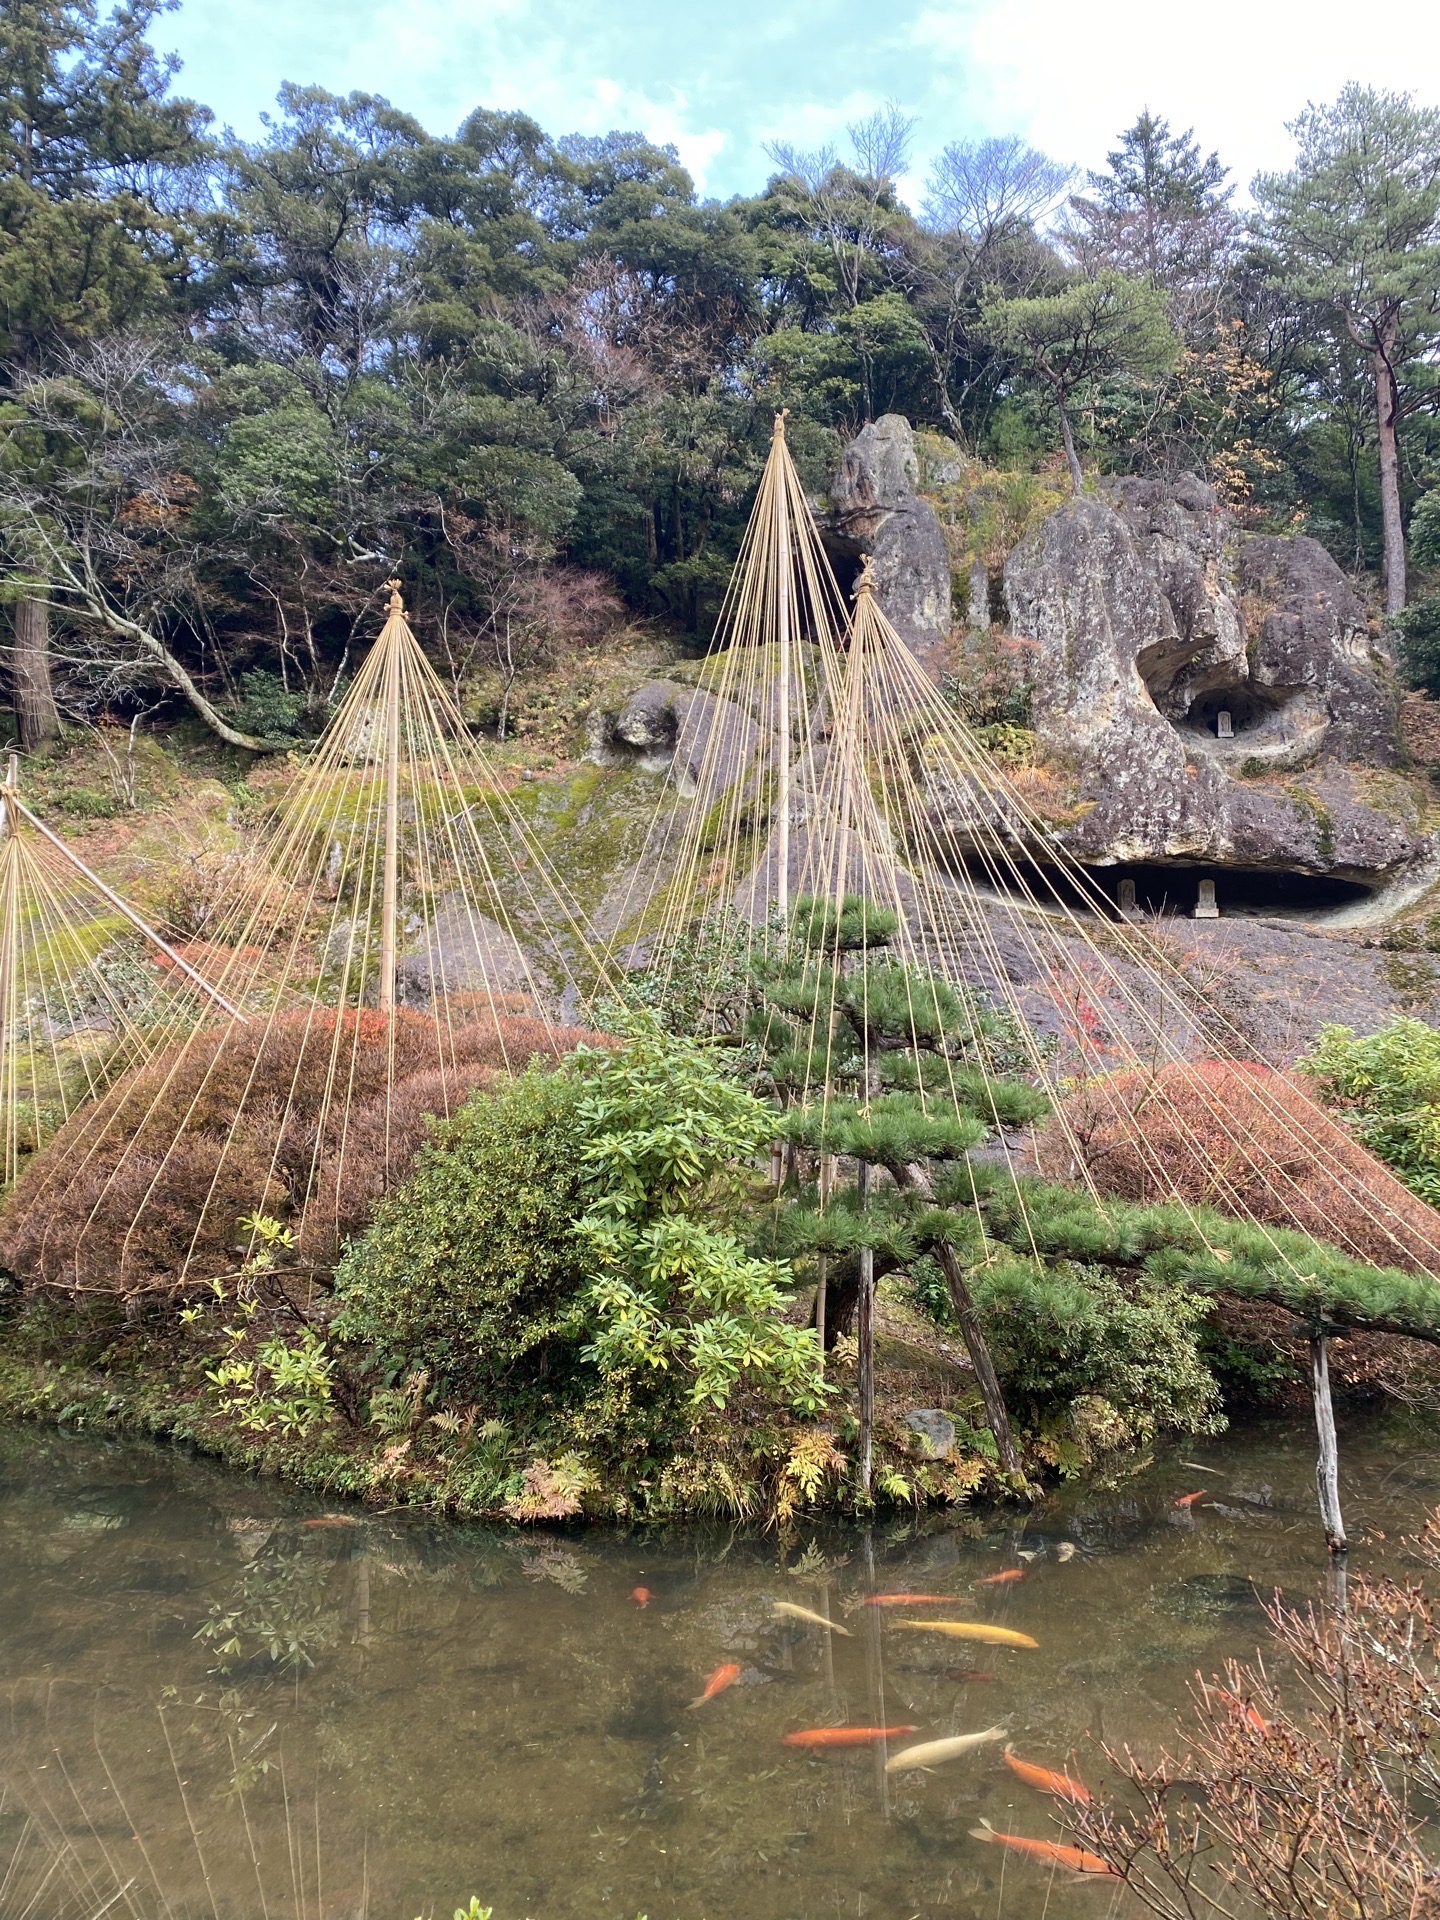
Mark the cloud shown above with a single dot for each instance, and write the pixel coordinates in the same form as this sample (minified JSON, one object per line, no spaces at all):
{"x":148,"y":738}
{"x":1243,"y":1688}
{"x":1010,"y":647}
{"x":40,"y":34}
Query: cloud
{"x":1070,"y":79}
{"x":720,"y":82}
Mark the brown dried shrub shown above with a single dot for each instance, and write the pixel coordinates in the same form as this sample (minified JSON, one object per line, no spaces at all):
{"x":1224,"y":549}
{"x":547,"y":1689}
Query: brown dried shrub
{"x":1238,"y":1136}
{"x":1307,"y":1802}
{"x":308,"y":1119}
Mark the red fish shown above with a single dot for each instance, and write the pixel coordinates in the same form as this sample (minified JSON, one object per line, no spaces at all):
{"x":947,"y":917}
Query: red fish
{"x":721,"y":1678}
{"x":1003,"y":1579}
{"x":333,"y":1520}
{"x":642,"y":1596}
{"x":1076,"y":1858}
{"x":1060,"y":1784}
{"x":1250,"y":1715}
{"x":841,"y":1736}
{"x":1190,"y":1499}
{"x":906,"y":1599}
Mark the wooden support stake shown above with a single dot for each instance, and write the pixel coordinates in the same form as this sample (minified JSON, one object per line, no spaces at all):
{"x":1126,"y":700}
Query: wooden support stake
{"x":1327,"y":1468}
{"x":866,"y":1332}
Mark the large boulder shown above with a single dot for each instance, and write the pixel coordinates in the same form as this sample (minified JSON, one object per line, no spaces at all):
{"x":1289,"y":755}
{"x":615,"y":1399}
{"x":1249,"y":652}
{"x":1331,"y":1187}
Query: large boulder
{"x":875,"y":509}
{"x":695,"y":738}
{"x":1214,"y":691}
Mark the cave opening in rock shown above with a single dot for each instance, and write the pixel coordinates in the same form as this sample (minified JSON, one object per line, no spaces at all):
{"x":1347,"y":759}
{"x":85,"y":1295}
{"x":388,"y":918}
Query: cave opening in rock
{"x":1246,"y":710}
{"x":845,"y":557}
{"x":1162,"y":887}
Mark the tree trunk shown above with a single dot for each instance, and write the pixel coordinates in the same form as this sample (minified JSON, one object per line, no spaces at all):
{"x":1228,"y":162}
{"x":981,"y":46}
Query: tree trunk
{"x":1387,"y":407}
{"x":867,"y":1342}
{"x":1067,"y":434}
{"x":962,"y":1300}
{"x":36,"y":717}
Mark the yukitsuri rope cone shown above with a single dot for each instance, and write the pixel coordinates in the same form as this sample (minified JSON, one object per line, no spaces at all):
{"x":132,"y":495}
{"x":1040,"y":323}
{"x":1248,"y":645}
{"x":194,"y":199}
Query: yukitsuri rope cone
{"x":825,"y":762}
{"x":87,"y":987}
{"x":746,"y":750}
{"x":915,"y":813}
{"x":397,"y":941}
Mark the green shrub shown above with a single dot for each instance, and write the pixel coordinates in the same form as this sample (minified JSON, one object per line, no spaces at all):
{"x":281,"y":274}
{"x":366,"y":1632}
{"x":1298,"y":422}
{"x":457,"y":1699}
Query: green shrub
{"x":675,"y":1297}
{"x":1076,"y":1332}
{"x":474,"y":1270}
{"x":1387,"y":1085}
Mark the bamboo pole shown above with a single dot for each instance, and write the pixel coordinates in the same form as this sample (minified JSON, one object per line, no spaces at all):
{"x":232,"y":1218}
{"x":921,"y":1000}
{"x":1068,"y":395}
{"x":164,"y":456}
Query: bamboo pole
{"x":1327,"y":1467}
{"x":391,"y":882}
{"x":9,"y":935}
{"x":866,"y":1333}
{"x":782,"y":568}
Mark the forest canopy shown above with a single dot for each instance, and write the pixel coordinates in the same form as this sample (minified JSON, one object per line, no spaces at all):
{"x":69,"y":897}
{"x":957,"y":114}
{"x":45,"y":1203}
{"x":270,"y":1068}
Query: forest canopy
{"x":244,"y":381}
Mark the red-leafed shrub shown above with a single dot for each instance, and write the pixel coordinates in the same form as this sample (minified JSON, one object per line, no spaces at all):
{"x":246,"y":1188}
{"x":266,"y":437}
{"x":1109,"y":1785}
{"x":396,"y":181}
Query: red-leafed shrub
{"x":1237,"y":1135}
{"x":309,"y":1119}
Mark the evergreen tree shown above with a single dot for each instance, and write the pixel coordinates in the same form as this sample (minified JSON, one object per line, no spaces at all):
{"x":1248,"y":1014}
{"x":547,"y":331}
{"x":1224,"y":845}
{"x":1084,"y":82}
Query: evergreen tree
{"x":894,"y":1070}
{"x":1091,"y":330}
{"x":1161,"y":212}
{"x":1356,"y":228}
{"x":90,"y":146}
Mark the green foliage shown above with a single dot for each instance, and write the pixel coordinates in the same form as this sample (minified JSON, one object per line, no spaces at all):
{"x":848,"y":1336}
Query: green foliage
{"x":1419,"y":628}
{"x":268,"y":709}
{"x":674,"y":1295}
{"x":473,"y":1271}
{"x":1070,"y":1330}
{"x":1387,"y":1087}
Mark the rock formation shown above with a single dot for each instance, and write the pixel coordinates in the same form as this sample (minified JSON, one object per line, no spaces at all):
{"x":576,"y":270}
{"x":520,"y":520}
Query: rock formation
{"x":876,"y":510}
{"x":1184,"y":668}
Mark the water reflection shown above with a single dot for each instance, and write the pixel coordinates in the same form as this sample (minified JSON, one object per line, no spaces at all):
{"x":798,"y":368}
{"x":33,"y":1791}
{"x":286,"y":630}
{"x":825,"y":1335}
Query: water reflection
{"x":219,"y":1700}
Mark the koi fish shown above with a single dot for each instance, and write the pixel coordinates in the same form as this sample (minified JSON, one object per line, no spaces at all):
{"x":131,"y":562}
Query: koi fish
{"x":971,"y":1630}
{"x":1189,"y":1499}
{"x":719,"y":1680}
{"x":840,"y":1736}
{"x":333,"y":1520}
{"x":1060,"y":1784}
{"x":792,"y":1612}
{"x":1003,"y":1579}
{"x":906,"y":1599}
{"x":1250,"y":1715}
{"x":642,"y":1596}
{"x":1076,"y":1858}
{"x":930,"y":1753}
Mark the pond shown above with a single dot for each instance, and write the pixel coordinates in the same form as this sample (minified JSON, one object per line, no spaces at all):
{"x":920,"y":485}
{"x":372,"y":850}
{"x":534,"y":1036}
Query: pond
{"x":222,"y":1699}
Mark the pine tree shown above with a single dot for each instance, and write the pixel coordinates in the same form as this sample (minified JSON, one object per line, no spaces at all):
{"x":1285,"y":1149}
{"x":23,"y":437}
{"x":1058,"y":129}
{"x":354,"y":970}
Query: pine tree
{"x":893,"y":1070}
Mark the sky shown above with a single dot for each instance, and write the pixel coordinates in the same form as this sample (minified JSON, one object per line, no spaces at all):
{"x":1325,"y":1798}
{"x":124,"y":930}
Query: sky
{"x":721,"y":78}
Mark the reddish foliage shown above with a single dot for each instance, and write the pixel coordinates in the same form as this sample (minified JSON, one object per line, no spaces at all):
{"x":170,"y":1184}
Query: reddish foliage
{"x":1239,"y":1136}
{"x":308,"y":1119}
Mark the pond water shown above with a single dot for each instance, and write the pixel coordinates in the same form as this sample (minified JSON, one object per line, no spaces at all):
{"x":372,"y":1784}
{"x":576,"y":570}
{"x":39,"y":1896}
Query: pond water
{"x":221,"y":1699}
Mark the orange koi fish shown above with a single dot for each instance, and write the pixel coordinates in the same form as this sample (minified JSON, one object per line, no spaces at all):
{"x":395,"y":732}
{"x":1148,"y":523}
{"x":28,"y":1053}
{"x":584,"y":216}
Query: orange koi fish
{"x":1060,"y":1784}
{"x":906,"y":1599}
{"x":642,"y":1596}
{"x":1003,"y":1579}
{"x":1250,"y":1715}
{"x":840,"y":1736}
{"x":721,"y":1678}
{"x":1189,"y":1499}
{"x":1076,"y":1858}
{"x":333,"y":1520}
